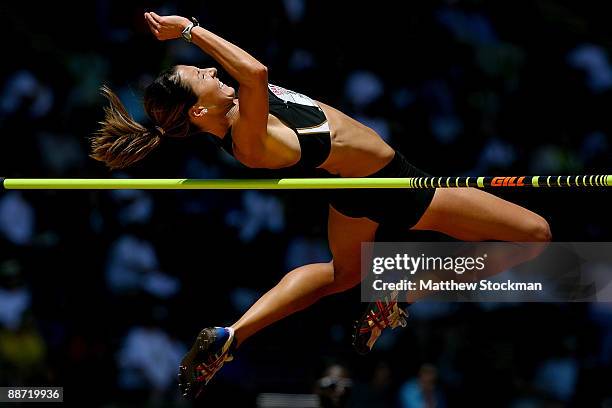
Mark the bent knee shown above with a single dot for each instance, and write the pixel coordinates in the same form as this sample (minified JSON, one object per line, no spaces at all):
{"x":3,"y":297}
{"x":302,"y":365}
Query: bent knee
{"x":538,"y":230}
{"x":538,"y":234}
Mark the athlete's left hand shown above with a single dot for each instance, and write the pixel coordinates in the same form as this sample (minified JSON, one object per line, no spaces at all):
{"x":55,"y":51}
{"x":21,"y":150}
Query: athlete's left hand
{"x":166,"y":27}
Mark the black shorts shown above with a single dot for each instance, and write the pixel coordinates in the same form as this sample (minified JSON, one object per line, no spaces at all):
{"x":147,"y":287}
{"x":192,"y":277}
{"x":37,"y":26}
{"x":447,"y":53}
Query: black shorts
{"x":400,"y":207}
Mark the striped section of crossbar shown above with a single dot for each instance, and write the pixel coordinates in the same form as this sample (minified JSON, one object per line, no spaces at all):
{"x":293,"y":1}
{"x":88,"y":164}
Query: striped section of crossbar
{"x":601,"y":180}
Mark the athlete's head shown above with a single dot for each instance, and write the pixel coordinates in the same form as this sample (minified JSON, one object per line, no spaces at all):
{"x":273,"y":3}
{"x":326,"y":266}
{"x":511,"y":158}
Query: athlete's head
{"x":181,"y":100}
{"x":214,"y":97}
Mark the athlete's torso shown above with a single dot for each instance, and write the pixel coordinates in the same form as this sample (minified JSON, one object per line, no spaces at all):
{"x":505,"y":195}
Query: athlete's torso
{"x":326,"y":138}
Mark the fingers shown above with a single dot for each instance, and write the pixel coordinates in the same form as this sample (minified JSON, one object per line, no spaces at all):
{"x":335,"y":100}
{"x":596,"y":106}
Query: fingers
{"x":154,"y":26}
{"x":156,"y":17}
{"x":151,"y":21}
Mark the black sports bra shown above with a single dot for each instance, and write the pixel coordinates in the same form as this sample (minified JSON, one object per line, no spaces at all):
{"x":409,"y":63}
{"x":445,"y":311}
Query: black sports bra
{"x":305,"y":118}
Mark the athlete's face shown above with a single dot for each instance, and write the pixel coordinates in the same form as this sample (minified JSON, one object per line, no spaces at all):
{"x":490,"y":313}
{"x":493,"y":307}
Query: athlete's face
{"x":211,"y":92}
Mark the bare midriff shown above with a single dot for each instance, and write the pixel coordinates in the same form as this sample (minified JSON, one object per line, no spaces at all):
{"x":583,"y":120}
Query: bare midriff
{"x":356,"y":150}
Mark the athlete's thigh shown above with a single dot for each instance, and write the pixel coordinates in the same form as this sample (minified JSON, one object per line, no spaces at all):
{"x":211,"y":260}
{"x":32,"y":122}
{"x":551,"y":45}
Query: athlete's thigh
{"x":345,"y":236}
{"x":473,"y":215}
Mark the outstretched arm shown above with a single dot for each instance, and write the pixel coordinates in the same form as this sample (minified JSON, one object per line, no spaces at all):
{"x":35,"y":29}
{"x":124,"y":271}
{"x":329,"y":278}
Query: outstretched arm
{"x":250,"y":131}
{"x":238,"y":63}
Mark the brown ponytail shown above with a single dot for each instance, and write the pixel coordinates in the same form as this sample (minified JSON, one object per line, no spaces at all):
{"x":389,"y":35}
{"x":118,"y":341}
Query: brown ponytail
{"x":120,"y":141}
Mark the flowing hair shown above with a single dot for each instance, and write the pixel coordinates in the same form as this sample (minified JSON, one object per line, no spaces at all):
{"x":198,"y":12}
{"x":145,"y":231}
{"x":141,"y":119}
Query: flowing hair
{"x":120,"y":141}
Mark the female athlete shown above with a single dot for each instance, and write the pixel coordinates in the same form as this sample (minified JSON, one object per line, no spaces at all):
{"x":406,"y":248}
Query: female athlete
{"x":267,"y":126}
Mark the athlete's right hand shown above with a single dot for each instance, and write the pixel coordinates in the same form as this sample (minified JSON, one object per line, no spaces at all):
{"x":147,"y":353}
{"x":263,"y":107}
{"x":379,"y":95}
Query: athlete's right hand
{"x":166,"y":27}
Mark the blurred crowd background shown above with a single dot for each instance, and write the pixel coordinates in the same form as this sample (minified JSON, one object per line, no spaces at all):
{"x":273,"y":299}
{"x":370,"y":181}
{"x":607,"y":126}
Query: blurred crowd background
{"x":102,"y":292}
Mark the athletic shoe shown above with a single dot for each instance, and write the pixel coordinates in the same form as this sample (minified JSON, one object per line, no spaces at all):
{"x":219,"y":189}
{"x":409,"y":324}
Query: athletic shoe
{"x":212,"y":348}
{"x":378,"y":316}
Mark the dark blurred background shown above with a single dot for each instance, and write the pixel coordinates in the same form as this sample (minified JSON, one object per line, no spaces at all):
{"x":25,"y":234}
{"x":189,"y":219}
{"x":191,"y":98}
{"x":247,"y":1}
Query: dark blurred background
{"x":102,"y":292}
